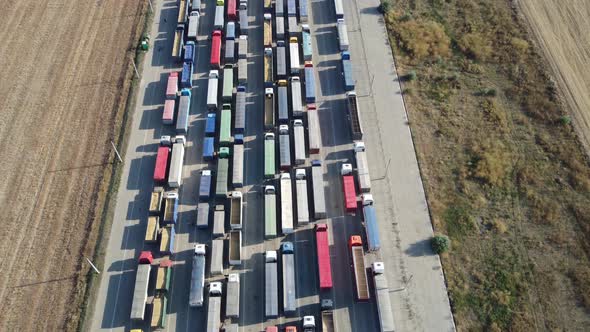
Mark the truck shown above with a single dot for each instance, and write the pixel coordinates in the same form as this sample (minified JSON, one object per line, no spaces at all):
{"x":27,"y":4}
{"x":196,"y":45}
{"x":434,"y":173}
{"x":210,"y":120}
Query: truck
{"x":283,"y":102}
{"x":296,"y":101}
{"x":280,"y":27}
{"x":219,"y":221}
{"x":205,"y":185}
{"x":156,"y":201}
{"x":163,"y":276}
{"x":170,"y":208}
{"x":230,"y":31}
{"x":242,"y":71}
{"x":215,"y":60}
{"x":232,"y":11}
{"x":384,"y":308}
{"x":182,"y":11}
{"x":197,"y":277}
{"x":196,"y":5}
{"x":238,"y":166}
{"x":286,"y":204}
{"x":268,"y":77}
{"x":184,"y":107}
{"x":218,"y":22}
{"x":161,"y":165}
{"x":176,"y":162}
{"x":294,"y":55}
{"x":210,"y":124}
{"x":354,"y":116}
{"x":291,"y":8}
{"x":242,"y":47}
{"x":288,"y":263}
{"x":293,"y":27}
{"x":338,"y":9}
{"x":362,"y":167}
{"x":193,"y":25}
{"x":355,"y":245}
{"x":313,"y":127}
{"x":281,"y":59}
{"x":172,"y":85}
{"x":348,"y":188}
{"x":301,"y":189}
{"x":270,"y":212}
{"x":178,"y":42}
{"x":240,"y":115}
{"x":189,"y":52}
{"x":269,"y":108}
{"x":244,"y":17}
{"x":303,"y":12}
{"x":235,"y":212}
{"x":323,"y":256}
{"x":347,"y":71}
{"x":309,"y":83}
{"x":168,"y":113}
{"x":342,"y":34}
{"x":216,"y":257}
{"x":317,"y":178}
{"x":202,"y":215}
{"x":142,"y":279}
{"x":284,"y":148}
{"x":230,"y":51}
{"x":152,"y":229}
{"x":225,"y":125}
{"x":327,"y":316}
{"x":235,"y":247}
{"x":267,"y":6}
{"x":269,"y":155}
{"x":267,"y":30}
{"x":212,"y":86}
{"x":167,"y":237}
{"x":232,"y":307}
{"x":280,"y":8}
{"x":159,"y":307}
{"x":208,"y":148}
{"x":271,"y":285}
{"x":222,"y":177}
{"x":214,"y":308}
{"x":228,"y":83}
{"x":299,"y":141}
{"x":306,"y":41}
{"x":370,"y":223}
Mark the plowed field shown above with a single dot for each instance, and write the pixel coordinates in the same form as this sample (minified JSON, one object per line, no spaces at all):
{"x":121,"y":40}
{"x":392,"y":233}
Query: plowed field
{"x":65,"y":74}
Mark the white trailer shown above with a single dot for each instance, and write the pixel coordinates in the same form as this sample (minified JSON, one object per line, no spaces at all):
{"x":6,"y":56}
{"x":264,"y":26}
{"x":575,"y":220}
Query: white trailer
{"x":193,"y":26}
{"x":214,"y":309}
{"x":294,"y":55}
{"x":219,"y":20}
{"x":232,"y":307}
{"x":212,"y":89}
{"x":299,"y":138}
{"x":176,"y":162}
{"x":217,"y":257}
{"x":286,"y":204}
{"x":302,"y":202}
{"x":342,"y":34}
{"x":296,"y":101}
{"x":382,"y":295}
{"x":362,"y":167}
{"x":238,"y":166}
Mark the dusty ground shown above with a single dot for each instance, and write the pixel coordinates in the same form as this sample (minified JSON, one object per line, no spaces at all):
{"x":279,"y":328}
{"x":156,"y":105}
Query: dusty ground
{"x":64,"y":68}
{"x":561,"y":30}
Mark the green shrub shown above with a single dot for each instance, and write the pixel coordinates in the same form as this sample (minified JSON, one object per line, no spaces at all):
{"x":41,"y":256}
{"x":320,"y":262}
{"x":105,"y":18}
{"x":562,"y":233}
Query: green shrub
{"x":423,"y":39}
{"x":476,"y":46}
{"x":411,"y":76}
{"x":440,"y":244}
{"x":565,"y":120}
{"x":385,"y":6}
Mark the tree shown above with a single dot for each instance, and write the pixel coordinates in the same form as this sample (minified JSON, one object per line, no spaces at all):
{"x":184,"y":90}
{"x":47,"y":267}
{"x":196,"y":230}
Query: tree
{"x":440,"y":244}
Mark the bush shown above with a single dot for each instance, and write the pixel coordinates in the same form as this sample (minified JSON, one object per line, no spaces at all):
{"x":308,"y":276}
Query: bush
{"x":385,"y":6}
{"x":440,"y":244}
{"x":411,"y":76}
{"x":423,"y":39}
{"x":476,"y":46}
{"x":565,"y":120}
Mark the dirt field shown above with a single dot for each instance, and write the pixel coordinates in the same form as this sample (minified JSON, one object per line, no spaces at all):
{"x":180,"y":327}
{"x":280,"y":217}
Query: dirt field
{"x":65,"y":79}
{"x":561,"y":30}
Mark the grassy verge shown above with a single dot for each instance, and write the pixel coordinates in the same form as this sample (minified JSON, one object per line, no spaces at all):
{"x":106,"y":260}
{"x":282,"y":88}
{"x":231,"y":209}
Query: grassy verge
{"x":115,"y":172}
{"x":506,"y":176}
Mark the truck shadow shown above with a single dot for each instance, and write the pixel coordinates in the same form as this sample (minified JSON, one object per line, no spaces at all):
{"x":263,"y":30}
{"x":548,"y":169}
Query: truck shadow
{"x":137,"y":208}
{"x":252,"y":290}
{"x":118,"y":300}
{"x":133,"y":235}
{"x":155,"y":91}
{"x":162,"y":47}
{"x":140,"y":169}
{"x":322,"y":12}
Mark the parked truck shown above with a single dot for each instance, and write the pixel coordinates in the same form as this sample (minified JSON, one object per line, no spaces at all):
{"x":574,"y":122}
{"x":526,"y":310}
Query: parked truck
{"x":289,"y":294}
{"x":186,"y":74}
{"x":214,"y":308}
{"x":205,"y":185}
{"x":302,"y":202}
{"x":280,"y":8}
{"x":159,"y":306}
{"x":176,"y":162}
{"x":268,"y":77}
{"x":355,"y":245}
{"x":293,"y":27}
{"x":267,"y":30}
{"x":284,"y":148}
{"x":271,"y":286}
{"x":184,"y":107}
{"x":235,"y":247}
{"x":244,"y":17}
{"x":172,"y":85}
{"x":163,"y":276}
{"x":178,"y":42}
{"x":232,"y":307}
{"x":317,"y":178}
{"x":167,"y":237}
{"x":189,"y":53}
{"x":215,"y":60}
{"x":168,"y":113}
{"x":156,"y":199}
{"x":327,"y":316}
{"x":299,"y":141}
{"x":161,"y":165}
{"x":142,"y":279}
{"x":235,"y":212}
{"x":212,"y":87}
{"x":362,"y":167}
{"x":296,"y":100}
{"x":309,"y":82}
{"x":269,"y":108}
{"x":306,"y":42}
{"x":225,"y":125}
{"x":238,"y":166}
{"x":208,"y":148}
{"x":382,"y":295}
{"x":323,"y":256}
{"x":193,"y":25}
{"x":152,"y":229}
{"x":202,"y":215}
{"x":286,"y":204}
{"x":303,"y":12}
{"x":170,"y":208}
{"x":228,"y":83}
{"x":283,"y":102}
{"x":308,"y":324}
{"x":339,"y":9}
{"x":216,"y":257}
{"x":269,"y":155}
{"x":280,"y":27}
{"x":370,"y":223}
{"x":342,"y":34}
{"x":218,"y":21}
{"x":313,"y":127}
{"x":270,"y":212}
{"x":182,"y":11}
{"x":281,"y":59}
{"x":197,"y":277}
{"x":242,"y":71}
{"x":240,"y":114}
{"x":243,"y":47}
{"x":294,"y":55}
{"x":354,"y":116}
{"x":230,"y":51}
{"x":348,"y":188}
{"x":222,"y":177}
{"x":218,"y":221}
{"x":291,"y":8}
{"x":347,"y":71}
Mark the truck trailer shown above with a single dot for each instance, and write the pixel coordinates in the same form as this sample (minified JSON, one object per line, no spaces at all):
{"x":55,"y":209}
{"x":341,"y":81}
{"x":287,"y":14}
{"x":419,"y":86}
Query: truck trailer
{"x":214,"y":307}
{"x":170,"y":208}
{"x":218,"y":221}
{"x":296,"y":100}
{"x":299,"y":142}
{"x":235,"y":212}
{"x":269,"y":155}
{"x":313,"y":127}
{"x":284,"y":148}
{"x":286,"y":204}
{"x":235,"y":247}
{"x":184,"y":108}
{"x":302,"y":202}
{"x":167,"y":237}
{"x":156,"y":199}
{"x":342,"y":34}
{"x":354,"y":116}
{"x":295,"y":65}
{"x":270,"y":212}
{"x":222,"y":177}
{"x":370,"y":223}
{"x":232,"y":303}
{"x":142,"y":279}
{"x":161,"y":166}
{"x":362,"y":167}
{"x":317,"y":179}
{"x":267,"y":30}
{"x":271,"y":285}
{"x":384,"y":308}
{"x":176,"y":162}
{"x":347,"y":71}
{"x":216,"y":257}
{"x":238,"y":166}
{"x":202,"y":221}
{"x":269,"y":108}
{"x":205,"y":185}
{"x":323,"y":256}
{"x":197,"y":277}
{"x":268,"y":77}
{"x":288,"y":263}
{"x":163,"y":276}
{"x":309,"y":82}
{"x":240,"y":114}
{"x":327,"y":316}
{"x":212,"y":86}
{"x":355,"y":245}
{"x":281,"y":60}
{"x":152,"y":229}
{"x":283,"y":102}
{"x":348,"y":188}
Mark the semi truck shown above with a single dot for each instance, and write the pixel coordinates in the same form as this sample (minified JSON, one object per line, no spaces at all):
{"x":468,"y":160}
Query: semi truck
{"x":268,"y":78}
{"x":306,"y":42}
{"x":313,"y":127}
{"x":242,"y":47}
{"x":269,"y":155}
{"x":270,"y":212}
{"x":214,"y":308}
{"x":354,"y":116}
{"x":156,"y":201}
{"x":159,"y":306}
{"x":269,"y":108}
{"x":142,"y":279}
{"x":178,"y":42}
{"x":299,"y":141}
{"x":323,"y":256}
{"x":362,"y":167}
{"x":189,"y":53}
{"x":348,"y":188}
{"x":294,"y":55}
{"x":225,"y":125}
{"x":347,"y":71}
{"x":216,"y":257}
{"x":151,"y":231}
{"x":238,"y":166}
{"x":296,"y":101}
{"x":168,"y":113}
{"x":205,"y":185}
{"x":309,"y":83}
{"x":308,"y":324}
{"x":288,"y":263}
{"x":172,"y":85}
{"x":202,"y":215}
{"x":281,"y":59}
{"x":235,"y":212}
{"x":235,"y":247}
{"x":283,"y":102}
{"x":355,"y":245}
{"x":301,"y":189}
{"x":339,"y":9}
{"x":342,"y":34}
{"x":228,"y":83}
{"x":230,"y":51}
{"x":267,"y":30}
{"x":210,"y":124}
{"x":271,"y":285}
{"x":370,"y":223}
{"x":197,"y":277}
{"x":184,"y":107}
{"x":170,"y":208}
{"x":384,"y":309}
{"x":186,"y":74}
{"x":286,"y":204}
{"x":240,"y":115}
{"x":167,"y":237}
{"x":161,"y":165}
{"x":222,"y":177}
{"x":327,"y":316}
{"x":218,"y":221}
{"x":215,"y":59}
{"x":280,"y":27}
{"x":232,"y":307}
{"x":244,"y":17}
{"x":232,"y":10}
{"x":284,"y":148}
{"x":193,"y":25}
{"x":317,"y":179}
{"x":212,"y":87}
{"x":268,"y":6}
{"x":242,"y":71}
{"x":163,"y":276}
{"x":176,"y":162}
{"x":218,"y":21}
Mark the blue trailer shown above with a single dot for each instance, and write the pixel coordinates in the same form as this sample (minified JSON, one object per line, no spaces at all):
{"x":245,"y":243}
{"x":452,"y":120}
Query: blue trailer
{"x":370,"y":216}
{"x":186,"y":76}
{"x":347,"y":71}
{"x":210,"y":125}
{"x":309,"y":83}
{"x":208,"y":148}
{"x":291,"y":8}
{"x":189,"y":52}
{"x":205,"y":185}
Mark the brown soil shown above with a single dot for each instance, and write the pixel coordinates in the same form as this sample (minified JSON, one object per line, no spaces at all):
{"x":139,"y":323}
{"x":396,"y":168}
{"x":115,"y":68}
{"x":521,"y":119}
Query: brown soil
{"x":65,"y":69}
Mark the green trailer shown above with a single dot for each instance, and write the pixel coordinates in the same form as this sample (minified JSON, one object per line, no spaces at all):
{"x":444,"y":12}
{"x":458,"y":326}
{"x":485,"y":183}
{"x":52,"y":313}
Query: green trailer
{"x":269,"y":155}
{"x":225,"y":125}
{"x":270,"y":212}
{"x":221,"y":184}
{"x":228,"y":83}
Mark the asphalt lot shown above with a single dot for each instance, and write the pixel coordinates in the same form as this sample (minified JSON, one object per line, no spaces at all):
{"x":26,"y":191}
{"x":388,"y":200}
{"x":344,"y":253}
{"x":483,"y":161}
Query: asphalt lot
{"x":401,"y":206}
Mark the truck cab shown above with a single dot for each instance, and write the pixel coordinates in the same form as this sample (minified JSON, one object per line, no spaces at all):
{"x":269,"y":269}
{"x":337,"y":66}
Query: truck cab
{"x":308,"y":324}
{"x":367,"y":199}
{"x":180,"y":139}
{"x":215,"y":288}
{"x":165,"y":141}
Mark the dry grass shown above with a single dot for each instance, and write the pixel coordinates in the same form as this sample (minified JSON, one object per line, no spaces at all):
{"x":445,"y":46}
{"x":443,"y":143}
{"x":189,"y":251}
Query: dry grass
{"x":508,"y":180}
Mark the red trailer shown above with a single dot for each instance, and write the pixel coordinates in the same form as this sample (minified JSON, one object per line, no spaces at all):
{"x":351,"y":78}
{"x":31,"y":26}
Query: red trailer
{"x":323,"y":251}
{"x":231,"y":10}
{"x":349,"y":189}
{"x":216,"y":49}
{"x":172,"y":86}
{"x":160,"y":170}
{"x":168,"y":114}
